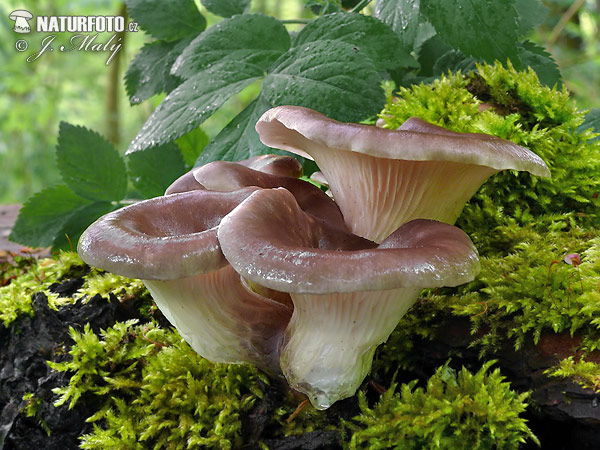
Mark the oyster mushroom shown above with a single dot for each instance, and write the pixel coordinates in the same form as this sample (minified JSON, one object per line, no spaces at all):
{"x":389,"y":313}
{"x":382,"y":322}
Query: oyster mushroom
{"x":171,"y":244}
{"x":383,"y":178}
{"x":348,"y":292}
{"x":271,"y":164}
{"x":227,"y":176}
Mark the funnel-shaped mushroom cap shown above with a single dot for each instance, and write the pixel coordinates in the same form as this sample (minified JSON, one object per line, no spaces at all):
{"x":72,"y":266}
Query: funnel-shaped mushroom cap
{"x":272,"y":164}
{"x":348,"y":293}
{"x":161,"y":238}
{"x":271,"y":241}
{"x":171,"y":244}
{"x":383,"y":178}
{"x":227,"y":176}
{"x":284,"y":166}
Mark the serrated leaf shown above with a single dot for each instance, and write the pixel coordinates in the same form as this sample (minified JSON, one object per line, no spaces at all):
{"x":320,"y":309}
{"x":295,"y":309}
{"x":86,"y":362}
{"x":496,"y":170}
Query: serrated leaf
{"x":453,"y":61}
{"x":402,"y":16}
{"x":89,"y":165}
{"x":150,"y":70}
{"x":170,"y":20}
{"x":483,"y":29}
{"x":531,"y":13}
{"x":77,"y":222}
{"x":374,"y":38}
{"x":431,"y":50}
{"x":332,"y":77}
{"x":153,"y":170}
{"x":541,"y":62}
{"x":238,"y":140}
{"x":226,"y":8}
{"x":252,"y":38}
{"x":592,"y":120}
{"x":191,"y":145}
{"x":44,"y":214}
{"x":192,"y":102}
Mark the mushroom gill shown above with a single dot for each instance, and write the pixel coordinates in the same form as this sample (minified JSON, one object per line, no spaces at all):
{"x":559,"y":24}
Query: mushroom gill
{"x":348,"y":292}
{"x":171,"y":244}
{"x":383,"y":178}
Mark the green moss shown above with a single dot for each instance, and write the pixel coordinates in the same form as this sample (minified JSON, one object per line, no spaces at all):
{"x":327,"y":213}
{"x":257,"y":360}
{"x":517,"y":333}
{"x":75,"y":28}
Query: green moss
{"x":454,"y":410}
{"x":519,"y":294}
{"x":32,"y":276}
{"x":585,"y":373}
{"x":515,"y":106}
{"x":32,"y":408}
{"x":155,"y":391}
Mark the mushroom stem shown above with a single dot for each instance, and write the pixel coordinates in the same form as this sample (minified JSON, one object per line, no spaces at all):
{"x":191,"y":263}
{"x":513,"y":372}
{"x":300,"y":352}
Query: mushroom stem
{"x":222,"y":319}
{"x":367,"y":190}
{"x":330,"y":341}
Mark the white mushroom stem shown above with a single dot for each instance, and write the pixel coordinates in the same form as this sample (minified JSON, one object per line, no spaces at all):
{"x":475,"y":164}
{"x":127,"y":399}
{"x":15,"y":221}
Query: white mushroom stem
{"x":221,"y":319}
{"x":331,"y":338}
{"x":378,"y":195}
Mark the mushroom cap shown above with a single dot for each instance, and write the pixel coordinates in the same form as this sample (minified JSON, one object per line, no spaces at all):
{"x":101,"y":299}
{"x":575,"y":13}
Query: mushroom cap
{"x":162,"y":238}
{"x":274,"y":165}
{"x":271,"y":241}
{"x":298,"y":129}
{"x":184,"y":183}
{"x":227,"y":176}
{"x":20,"y":13}
{"x":271,"y":164}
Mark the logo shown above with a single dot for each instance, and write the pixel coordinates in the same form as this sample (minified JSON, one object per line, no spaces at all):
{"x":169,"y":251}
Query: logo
{"x":21,"y":18}
{"x":85,"y":33}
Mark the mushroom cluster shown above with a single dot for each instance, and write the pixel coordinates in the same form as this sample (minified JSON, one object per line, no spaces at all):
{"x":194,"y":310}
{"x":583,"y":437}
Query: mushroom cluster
{"x":253,"y":265}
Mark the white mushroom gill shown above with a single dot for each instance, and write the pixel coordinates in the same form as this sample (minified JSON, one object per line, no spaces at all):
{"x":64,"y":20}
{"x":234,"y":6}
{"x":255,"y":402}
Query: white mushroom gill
{"x":221,"y":319}
{"x":383,"y":178}
{"x":329,"y":344}
{"x":348,"y":292}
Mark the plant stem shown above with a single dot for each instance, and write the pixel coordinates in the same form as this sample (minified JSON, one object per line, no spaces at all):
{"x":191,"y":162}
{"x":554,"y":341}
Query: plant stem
{"x":296,"y":21}
{"x":360,"y":6}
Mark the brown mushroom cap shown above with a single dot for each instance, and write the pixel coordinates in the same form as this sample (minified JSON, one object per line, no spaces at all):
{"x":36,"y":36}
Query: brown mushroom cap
{"x":227,"y":176}
{"x":271,"y":164}
{"x":383,"y":178}
{"x":161,"y":238}
{"x":271,"y":241}
{"x":285,"y":166}
{"x":300,"y":130}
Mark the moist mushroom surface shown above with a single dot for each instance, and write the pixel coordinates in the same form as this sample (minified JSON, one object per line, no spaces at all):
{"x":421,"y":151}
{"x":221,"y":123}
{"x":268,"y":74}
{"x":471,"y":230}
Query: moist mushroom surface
{"x":348,"y":292}
{"x":383,"y":178}
{"x":171,"y":244}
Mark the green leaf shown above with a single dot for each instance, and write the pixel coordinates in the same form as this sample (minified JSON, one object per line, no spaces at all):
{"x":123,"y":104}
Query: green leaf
{"x":541,"y":62}
{"x":191,"y":145}
{"x":483,"y":29}
{"x":77,"y":222}
{"x":226,"y":8}
{"x":453,"y":61}
{"x":374,"y":38}
{"x":402,"y":16}
{"x":253,"y":39}
{"x":431,"y":50}
{"x":170,"y":20}
{"x":89,"y":165}
{"x":592,"y":120}
{"x":153,"y":170}
{"x":149,"y":72}
{"x":531,"y":13}
{"x":192,"y":102}
{"x":44,"y":214}
{"x":238,"y":140}
{"x":332,"y":77}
